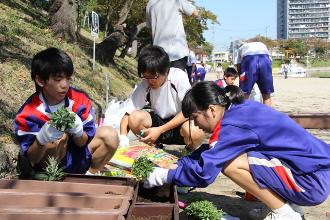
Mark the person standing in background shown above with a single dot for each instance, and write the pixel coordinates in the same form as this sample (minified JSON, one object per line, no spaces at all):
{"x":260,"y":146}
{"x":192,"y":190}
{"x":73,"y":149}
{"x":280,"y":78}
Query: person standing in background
{"x":254,"y":65}
{"x":219,"y":71}
{"x":164,"y":18}
{"x":191,"y":64}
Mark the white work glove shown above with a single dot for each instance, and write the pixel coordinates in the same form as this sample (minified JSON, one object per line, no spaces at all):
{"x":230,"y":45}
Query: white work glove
{"x":123,"y":141}
{"x":78,"y":129}
{"x":157,"y":177}
{"x":48,"y":134}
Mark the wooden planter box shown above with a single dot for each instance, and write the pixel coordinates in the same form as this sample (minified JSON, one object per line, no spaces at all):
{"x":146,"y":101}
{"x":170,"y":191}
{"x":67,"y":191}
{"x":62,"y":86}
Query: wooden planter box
{"x":77,"y":197}
{"x":155,"y":203}
{"x":81,"y":197}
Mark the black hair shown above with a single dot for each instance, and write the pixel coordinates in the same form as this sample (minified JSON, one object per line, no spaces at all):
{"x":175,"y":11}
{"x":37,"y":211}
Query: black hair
{"x":153,"y":59}
{"x":231,"y":71}
{"x":51,"y":62}
{"x":206,"y":93}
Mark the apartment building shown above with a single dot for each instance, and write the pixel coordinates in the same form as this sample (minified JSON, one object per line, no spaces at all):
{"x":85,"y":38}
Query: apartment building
{"x":220,"y":57}
{"x":297,"y":19}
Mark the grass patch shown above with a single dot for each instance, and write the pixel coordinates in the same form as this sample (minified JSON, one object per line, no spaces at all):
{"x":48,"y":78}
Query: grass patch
{"x":321,"y":63}
{"x":24,"y":31}
{"x":321,"y":75}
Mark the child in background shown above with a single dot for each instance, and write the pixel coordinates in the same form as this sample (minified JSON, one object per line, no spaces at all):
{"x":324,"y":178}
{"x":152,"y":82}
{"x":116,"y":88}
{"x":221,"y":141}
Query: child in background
{"x":200,"y":72}
{"x":219,"y":70}
{"x":79,"y":149}
{"x":229,"y":77}
{"x":262,"y":150}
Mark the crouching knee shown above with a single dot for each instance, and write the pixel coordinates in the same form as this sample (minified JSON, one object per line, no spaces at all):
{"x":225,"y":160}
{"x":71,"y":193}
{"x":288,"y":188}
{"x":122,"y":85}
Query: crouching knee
{"x":109,"y":136}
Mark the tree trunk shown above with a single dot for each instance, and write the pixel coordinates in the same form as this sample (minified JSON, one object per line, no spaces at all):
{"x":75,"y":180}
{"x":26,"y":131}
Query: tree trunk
{"x":109,"y":12}
{"x":131,"y":37}
{"x":106,"y":50}
{"x":78,"y":17}
{"x":62,"y":15}
{"x":124,"y":12}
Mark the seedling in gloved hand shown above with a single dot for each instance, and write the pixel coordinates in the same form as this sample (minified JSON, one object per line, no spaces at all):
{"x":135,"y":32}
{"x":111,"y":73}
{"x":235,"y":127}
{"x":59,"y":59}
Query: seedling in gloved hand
{"x":142,"y":167}
{"x":62,"y":119}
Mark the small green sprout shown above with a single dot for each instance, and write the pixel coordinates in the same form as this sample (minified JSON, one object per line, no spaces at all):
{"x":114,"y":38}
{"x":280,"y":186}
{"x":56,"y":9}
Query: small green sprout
{"x":52,"y":171}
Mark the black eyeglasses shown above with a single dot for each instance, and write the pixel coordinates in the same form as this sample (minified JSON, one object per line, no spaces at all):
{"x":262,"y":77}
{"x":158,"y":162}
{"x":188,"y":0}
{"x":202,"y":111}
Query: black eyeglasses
{"x":151,"y":77}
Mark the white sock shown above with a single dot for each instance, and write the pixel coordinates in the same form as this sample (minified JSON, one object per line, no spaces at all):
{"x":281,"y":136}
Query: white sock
{"x":286,"y":208}
{"x":88,"y":173}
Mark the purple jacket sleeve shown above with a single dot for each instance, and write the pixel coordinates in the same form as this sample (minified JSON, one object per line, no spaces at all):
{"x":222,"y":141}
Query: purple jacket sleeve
{"x":202,"y":171}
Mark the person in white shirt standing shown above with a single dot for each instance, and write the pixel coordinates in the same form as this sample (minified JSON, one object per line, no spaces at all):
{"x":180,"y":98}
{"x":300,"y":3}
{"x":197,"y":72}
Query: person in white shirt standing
{"x":164,"y":18}
{"x":254,"y":65}
{"x":164,"y":88}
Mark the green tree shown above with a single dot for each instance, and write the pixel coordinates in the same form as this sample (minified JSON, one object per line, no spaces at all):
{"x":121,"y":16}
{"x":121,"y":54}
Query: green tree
{"x":195,"y":27}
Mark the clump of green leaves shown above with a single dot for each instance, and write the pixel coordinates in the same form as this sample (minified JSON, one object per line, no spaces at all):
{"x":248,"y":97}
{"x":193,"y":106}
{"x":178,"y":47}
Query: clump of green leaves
{"x":53,"y":171}
{"x":203,"y":210}
{"x":142,"y":167}
{"x":62,"y":119}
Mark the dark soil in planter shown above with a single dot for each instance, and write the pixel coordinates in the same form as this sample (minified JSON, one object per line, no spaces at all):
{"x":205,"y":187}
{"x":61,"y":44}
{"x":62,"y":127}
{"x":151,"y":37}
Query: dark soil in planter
{"x":163,"y":194}
{"x":158,"y":217}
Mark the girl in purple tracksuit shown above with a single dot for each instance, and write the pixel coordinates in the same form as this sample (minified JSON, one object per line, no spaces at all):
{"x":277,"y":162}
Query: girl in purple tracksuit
{"x":262,"y":150}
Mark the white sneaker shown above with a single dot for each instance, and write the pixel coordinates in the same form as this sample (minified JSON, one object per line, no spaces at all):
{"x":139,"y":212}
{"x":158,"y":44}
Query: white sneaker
{"x":267,"y":214}
{"x":283,"y":216}
{"x":283,"y":213}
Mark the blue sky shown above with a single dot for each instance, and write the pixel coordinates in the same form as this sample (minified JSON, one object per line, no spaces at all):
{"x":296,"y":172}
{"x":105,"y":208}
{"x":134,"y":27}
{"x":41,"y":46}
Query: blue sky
{"x":240,"y":19}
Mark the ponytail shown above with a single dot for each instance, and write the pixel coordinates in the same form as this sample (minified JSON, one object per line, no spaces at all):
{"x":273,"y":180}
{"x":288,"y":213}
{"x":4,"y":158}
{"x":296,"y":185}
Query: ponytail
{"x":206,"y":93}
{"x":234,"y":94}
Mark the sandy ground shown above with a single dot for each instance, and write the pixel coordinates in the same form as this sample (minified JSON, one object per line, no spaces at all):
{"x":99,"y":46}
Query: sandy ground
{"x":292,"y":95}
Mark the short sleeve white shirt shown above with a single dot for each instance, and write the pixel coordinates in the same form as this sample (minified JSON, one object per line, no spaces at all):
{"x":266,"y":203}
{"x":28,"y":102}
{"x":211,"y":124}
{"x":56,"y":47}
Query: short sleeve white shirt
{"x":165,"y":100}
{"x":164,"y":17}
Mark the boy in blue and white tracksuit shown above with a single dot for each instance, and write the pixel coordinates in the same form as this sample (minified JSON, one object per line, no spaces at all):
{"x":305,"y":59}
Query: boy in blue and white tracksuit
{"x":254,"y":65}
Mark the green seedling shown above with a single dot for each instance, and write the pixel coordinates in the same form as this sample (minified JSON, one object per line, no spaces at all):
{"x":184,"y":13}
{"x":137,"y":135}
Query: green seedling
{"x":203,"y":210}
{"x":142,"y":167}
{"x":62,"y":119}
{"x":53,"y":171}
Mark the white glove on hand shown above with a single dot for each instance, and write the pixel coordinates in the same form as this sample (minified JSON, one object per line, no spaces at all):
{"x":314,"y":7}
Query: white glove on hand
{"x":48,"y":134}
{"x":157,"y":177}
{"x":78,"y":129}
{"x":123,"y":141}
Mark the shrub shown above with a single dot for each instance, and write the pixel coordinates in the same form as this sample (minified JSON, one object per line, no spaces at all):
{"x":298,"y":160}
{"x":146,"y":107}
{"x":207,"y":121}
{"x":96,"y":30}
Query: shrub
{"x":203,"y":210}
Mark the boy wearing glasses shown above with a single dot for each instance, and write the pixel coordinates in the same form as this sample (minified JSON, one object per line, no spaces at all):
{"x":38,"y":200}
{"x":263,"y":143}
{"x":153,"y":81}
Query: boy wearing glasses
{"x":163,"y":88}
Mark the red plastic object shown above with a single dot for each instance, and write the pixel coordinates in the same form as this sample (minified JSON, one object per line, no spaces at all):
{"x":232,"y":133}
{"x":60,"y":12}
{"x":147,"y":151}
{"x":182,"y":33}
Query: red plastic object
{"x":249,"y":197}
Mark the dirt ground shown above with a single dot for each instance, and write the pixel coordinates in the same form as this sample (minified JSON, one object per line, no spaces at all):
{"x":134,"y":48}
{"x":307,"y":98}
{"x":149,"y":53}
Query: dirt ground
{"x":292,"y":95}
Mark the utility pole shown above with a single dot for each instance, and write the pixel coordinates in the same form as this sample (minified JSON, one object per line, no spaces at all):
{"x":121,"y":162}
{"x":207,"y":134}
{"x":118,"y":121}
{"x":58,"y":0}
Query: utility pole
{"x":213,"y":41}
